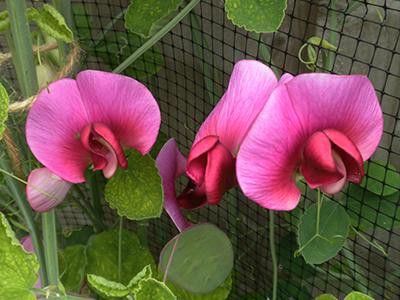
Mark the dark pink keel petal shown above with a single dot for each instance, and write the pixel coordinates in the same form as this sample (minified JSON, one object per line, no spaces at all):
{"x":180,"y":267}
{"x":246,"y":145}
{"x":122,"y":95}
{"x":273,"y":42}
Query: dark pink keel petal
{"x":52,"y":130}
{"x":318,"y":165}
{"x":45,"y":190}
{"x":271,"y":153}
{"x":124,"y":105}
{"x":171,"y":165}
{"x":249,"y":88}
{"x":347,"y":104}
{"x":348,"y":153}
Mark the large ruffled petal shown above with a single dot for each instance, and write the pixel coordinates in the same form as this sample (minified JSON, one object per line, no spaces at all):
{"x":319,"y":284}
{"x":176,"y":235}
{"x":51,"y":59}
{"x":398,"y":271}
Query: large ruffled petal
{"x":124,"y":105}
{"x":45,"y":190}
{"x":249,"y":88}
{"x":171,"y":165}
{"x":52,"y":130}
{"x":271,"y":153}
{"x":345,"y":103}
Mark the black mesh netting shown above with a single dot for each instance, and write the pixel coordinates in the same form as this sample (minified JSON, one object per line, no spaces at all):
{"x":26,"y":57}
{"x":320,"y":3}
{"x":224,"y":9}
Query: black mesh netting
{"x":188,"y":71}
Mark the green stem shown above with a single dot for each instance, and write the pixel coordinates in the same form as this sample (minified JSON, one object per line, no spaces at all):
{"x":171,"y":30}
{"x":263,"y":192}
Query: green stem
{"x":97,"y":40}
{"x":121,"y":225}
{"x":21,"y":47}
{"x":96,"y":195}
{"x":17,"y":192}
{"x":273,"y":255}
{"x":156,"y":37}
{"x":50,"y":245}
{"x":318,"y":210}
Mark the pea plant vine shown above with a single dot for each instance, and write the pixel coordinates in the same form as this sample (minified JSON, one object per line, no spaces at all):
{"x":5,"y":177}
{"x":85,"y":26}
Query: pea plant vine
{"x":92,"y":139}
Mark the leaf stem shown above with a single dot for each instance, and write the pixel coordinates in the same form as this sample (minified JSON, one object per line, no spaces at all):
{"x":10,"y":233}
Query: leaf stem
{"x":371,"y":243}
{"x":156,"y":37}
{"x":121,"y":225}
{"x":96,"y":196}
{"x":318,"y":211}
{"x":273,"y":255}
{"x":50,"y":245}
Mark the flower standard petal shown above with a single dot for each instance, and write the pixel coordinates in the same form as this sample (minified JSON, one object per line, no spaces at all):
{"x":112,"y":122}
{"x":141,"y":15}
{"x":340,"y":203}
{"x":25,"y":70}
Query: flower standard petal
{"x":171,"y":165}
{"x":249,"y":88}
{"x":124,"y":105}
{"x":45,"y":190}
{"x":52,"y":130}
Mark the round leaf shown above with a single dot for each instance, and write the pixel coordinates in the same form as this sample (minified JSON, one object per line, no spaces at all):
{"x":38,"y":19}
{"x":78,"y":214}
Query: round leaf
{"x":256,"y":15}
{"x":136,"y":193}
{"x":199,"y":259}
{"x":102,"y":256}
{"x":320,"y":242}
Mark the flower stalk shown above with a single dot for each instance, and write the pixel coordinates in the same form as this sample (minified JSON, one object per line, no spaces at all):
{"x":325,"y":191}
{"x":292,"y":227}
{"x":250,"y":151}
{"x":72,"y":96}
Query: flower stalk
{"x":273,"y":255}
{"x":50,"y":245}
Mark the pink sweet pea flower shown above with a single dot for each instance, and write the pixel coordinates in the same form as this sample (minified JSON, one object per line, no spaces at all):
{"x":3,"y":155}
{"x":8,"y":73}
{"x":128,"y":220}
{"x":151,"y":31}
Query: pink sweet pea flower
{"x":90,"y":120}
{"x":45,"y":189}
{"x":171,"y":165}
{"x":212,"y":158}
{"x":319,"y":125}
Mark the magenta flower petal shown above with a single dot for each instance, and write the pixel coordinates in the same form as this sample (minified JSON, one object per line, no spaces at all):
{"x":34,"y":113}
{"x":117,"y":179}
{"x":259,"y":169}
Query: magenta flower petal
{"x":124,"y":105}
{"x":250,"y":85}
{"x":345,"y":103}
{"x":45,"y":190}
{"x":171,"y":165}
{"x":52,"y":125}
{"x":272,"y":152}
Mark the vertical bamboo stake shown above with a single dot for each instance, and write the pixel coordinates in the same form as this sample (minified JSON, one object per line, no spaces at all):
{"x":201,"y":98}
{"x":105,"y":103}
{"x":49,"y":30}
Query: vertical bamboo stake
{"x":20,"y":43}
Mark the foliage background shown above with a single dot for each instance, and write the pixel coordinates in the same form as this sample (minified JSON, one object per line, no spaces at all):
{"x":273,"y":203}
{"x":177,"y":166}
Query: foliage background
{"x":194,"y":62}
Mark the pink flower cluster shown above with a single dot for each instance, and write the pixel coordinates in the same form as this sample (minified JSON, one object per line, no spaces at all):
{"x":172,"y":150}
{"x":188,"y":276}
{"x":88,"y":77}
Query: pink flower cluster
{"x":263,"y":135}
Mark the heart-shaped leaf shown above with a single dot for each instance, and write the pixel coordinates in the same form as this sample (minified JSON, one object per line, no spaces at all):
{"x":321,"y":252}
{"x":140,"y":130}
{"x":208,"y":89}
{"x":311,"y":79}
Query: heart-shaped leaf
{"x":198,"y":260}
{"x":19,"y":269}
{"x":142,"y":16}
{"x":255,"y":15}
{"x":102,"y":256}
{"x":321,"y":235}
{"x":136,"y":193}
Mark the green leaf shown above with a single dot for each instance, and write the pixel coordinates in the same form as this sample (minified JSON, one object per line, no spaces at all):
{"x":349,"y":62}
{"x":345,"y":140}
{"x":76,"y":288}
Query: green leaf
{"x":202,"y":258}
{"x":381,"y":180}
{"x":357,"y":296}
{"x":320,"y":242}
{"x":142,"y":16}
{"x":102,"y":256}
{"x":72,"y":262}
{"x":144,"y":274}
{"x":4,"y":101}
{"x":51,"y":22}
{"x":136,"y":193}
{"x":77,"y":236}
{"x":220,"y":293}
{"x":326,"y":297}
{"x":107,"y":288}
{"x":151,"y":288}
{"x":117,"y":46}
{"x":367,"y":210}
{"x":19,"y":269}
{"x":256,"y":15}
{"x":4,"y":21}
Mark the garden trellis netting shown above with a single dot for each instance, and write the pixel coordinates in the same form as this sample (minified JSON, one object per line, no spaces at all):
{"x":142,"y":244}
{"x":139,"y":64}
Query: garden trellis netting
{"x":188,"y":71}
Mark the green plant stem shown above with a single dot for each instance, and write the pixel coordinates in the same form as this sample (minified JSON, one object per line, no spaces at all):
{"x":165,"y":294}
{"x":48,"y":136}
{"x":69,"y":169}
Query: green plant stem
{"x":273,"y":255}
{"x":97,"y":40}
{"x":156,"y":37}
{"x":121,"y":226}
{"x":318,"y":210}
{"x":50,"y":245}
{"x":20,"y":44}
{"x":96,"y":195}
{"x":17,"y":192}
